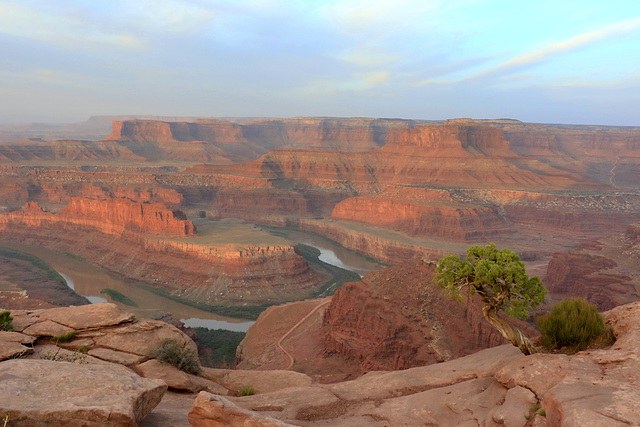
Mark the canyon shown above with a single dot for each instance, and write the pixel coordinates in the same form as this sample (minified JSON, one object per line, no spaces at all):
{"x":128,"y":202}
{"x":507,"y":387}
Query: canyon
{"x":389,"y":189}
{"x":191,"y":209}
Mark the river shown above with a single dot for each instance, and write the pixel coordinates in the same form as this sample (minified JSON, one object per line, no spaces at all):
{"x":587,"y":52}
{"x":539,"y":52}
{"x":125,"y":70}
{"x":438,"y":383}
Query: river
{"x":88,"y":280}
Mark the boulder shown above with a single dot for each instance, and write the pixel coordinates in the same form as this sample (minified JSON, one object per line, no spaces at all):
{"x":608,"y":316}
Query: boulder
{"x":210,"y":410}
{"x":39,"y":392}
{"x":143,"y":338}
{"x":47,"y":328}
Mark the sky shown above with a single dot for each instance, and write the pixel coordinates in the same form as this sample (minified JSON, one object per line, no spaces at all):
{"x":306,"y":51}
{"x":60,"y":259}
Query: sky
{"x":559,"y":61}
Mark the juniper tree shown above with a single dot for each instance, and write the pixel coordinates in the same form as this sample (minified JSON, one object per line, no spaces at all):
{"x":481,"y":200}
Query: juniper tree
{"x":500,"y":279}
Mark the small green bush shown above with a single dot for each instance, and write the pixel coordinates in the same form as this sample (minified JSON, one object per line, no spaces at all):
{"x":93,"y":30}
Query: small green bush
{"x":573,"y":323}
{"x":65,"y":337}
{"x":6,"y":321}
{"x":182,"y":358}
{"x":83,"y":349}
{"x":247,"y":390}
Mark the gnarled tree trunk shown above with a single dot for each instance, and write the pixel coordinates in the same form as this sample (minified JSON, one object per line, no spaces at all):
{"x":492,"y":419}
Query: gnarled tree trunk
{"x":508,"y":330}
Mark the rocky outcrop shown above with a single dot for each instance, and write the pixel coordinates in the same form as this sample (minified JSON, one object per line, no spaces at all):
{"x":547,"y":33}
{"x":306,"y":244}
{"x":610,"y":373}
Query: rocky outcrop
{"x":497,"y":386}
{"x":395,"y":318}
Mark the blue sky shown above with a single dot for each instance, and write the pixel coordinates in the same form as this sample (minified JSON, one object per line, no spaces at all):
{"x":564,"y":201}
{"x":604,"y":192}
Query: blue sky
{"x":537,"y":61}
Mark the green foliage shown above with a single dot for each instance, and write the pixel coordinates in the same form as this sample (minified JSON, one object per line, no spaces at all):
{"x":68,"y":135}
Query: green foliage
{"x":65,"y":337}
{"x":83,"y":349}
{"x":119,"y":297}
{"x":543,"y":413}
{"x":573,"y":323}
{"x":247,"y":390}
{"x":498,"y":276}
{"x":6,"y":321}
{"x":76,"y":257}
{"x":182,"y":358}
{"x":217,"y":347}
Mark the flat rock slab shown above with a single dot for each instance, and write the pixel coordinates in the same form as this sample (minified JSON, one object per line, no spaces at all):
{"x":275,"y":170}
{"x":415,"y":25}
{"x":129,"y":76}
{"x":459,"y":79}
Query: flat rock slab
{"x":37,"y":392}
{"x":16,"y":337}
{"x":10,"y":350}
{"x":87,"y":316}
{"x":261,"y":381}
{"x":114,"y":356}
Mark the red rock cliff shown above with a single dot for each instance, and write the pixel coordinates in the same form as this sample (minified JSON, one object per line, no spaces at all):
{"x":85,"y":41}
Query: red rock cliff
{"x":120,"y":217}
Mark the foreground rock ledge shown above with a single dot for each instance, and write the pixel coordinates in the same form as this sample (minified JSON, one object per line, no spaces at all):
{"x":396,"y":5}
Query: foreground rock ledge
{"x":43,"y":392}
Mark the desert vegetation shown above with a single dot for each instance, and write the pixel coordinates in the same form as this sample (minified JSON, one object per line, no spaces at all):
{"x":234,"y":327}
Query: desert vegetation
{"x":573,"y":325}
{"x":6,"y":321}
{"x":182,"y":358}
{"x":119,"y":297}
{"x":500,"y":279}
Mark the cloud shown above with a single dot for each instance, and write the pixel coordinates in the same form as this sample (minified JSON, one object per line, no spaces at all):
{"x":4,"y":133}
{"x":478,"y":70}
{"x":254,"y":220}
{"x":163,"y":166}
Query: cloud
{"x":62,"y":27}
{"x":616,"y":29}
{"x":376,"y":79}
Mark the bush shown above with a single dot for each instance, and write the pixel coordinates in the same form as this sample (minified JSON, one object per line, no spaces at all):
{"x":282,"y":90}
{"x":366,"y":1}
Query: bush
{"x":182,"y":358}
{"x":6,"y":321}
{"x":573,"y":323}
{"x":65,"y":337}
{"x":247,"y":390}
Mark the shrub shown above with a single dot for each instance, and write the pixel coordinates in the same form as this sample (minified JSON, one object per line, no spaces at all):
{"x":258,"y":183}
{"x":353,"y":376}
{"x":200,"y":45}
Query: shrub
{"x":247,"y":390}
{"x":65,"y":337}
{"x":573,"y":323}
{"x":182,"y":358}
{"x":6,"y":321}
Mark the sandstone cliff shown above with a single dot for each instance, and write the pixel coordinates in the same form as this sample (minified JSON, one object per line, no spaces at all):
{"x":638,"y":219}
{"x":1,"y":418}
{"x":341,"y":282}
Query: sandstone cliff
{"x":110,"y":216}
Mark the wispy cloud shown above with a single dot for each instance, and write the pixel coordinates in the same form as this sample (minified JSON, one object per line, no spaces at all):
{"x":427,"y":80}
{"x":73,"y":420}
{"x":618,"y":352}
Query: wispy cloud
{"x":66,"y":29}
{"x":519,"y":63}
